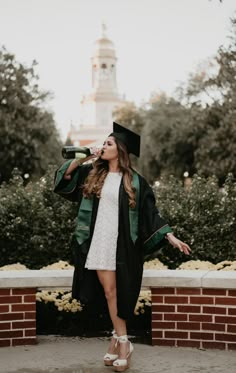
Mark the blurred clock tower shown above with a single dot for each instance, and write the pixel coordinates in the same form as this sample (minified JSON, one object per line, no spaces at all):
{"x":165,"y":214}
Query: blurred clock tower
{"x":97,"y":107}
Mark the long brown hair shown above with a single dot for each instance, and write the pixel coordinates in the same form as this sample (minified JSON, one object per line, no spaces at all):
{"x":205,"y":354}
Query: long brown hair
{"x":96,"y":177}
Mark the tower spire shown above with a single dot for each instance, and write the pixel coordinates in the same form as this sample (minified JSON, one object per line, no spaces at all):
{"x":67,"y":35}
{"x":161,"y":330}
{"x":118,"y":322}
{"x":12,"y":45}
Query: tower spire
{"x":104,"y":30}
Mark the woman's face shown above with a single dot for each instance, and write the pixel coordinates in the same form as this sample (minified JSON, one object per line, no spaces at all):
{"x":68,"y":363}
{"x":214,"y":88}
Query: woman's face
{"x":109,"y":149}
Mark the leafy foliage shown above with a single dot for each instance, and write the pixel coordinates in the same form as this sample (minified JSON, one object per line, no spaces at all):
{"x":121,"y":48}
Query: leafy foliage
{"x":166,"y":141}
{"x":36,"y":225}
{"x":217,"y":124}
{"x":133,"y":118}
{"x":130,"y":115}
{"x":202,"y":215}
{"x":196,"y":131}
{"x":29,"y":139}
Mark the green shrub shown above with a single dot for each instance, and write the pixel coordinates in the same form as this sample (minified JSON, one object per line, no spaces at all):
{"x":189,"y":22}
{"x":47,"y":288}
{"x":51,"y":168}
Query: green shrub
{"x":36,"y":225}
{"x":202,"y":215}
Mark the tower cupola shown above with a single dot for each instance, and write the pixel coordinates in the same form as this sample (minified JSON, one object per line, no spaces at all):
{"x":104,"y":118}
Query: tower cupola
{"x":104,"y":65}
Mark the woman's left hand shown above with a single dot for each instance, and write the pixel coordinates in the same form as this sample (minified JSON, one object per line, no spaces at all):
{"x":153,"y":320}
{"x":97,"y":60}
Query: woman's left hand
{"x":175,"y":242}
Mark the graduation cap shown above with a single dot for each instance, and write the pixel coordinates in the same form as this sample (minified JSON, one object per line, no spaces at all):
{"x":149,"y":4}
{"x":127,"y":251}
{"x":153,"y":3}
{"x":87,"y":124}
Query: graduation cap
{"x":128,"y":137}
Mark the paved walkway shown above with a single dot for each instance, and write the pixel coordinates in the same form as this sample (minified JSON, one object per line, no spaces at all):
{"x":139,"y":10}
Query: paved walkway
{"x":84,"y":355}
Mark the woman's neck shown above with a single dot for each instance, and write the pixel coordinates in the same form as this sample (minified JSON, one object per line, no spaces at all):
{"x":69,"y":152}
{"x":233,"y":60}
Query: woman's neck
{"x":113,"y":166}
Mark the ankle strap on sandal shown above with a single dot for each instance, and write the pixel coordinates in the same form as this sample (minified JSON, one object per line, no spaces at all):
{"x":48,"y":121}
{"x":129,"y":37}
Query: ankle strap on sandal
{"x":123,"y":338}
{"x":114,"y":335}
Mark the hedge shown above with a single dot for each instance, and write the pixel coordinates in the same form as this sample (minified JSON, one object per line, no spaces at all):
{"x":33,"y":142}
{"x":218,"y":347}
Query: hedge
{"x":36,"y":225}
{"x":203,"y":215}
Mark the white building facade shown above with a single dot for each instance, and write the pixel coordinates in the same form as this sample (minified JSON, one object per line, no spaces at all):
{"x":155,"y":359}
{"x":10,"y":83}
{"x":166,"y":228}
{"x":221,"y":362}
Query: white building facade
{"x":98,"y":106}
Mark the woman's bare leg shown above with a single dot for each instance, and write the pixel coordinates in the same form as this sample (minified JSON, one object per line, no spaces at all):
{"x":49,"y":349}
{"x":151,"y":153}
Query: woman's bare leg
{"x":108,"y":282}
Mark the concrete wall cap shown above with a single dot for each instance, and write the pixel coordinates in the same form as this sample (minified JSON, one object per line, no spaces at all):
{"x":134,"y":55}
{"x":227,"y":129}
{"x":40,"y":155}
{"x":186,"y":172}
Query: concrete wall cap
{"x":151,"y":278}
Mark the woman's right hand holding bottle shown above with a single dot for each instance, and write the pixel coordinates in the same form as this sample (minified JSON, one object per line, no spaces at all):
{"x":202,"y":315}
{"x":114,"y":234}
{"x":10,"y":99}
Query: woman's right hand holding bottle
{"x":80,"y":158}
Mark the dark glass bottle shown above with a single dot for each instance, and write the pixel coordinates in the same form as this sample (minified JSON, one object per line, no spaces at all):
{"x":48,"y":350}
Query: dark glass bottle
{"x":79,"y":152}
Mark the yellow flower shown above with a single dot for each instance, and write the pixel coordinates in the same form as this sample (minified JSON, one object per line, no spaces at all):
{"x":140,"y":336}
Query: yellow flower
{"x":154,"y":264}
{"x":59,"y":265}
{"x":197,"y":265}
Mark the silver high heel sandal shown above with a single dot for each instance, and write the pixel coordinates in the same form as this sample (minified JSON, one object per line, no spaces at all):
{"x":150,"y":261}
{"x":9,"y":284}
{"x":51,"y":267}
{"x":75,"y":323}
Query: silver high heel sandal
{"x":121,"y":365}
{"x":110,"y":358}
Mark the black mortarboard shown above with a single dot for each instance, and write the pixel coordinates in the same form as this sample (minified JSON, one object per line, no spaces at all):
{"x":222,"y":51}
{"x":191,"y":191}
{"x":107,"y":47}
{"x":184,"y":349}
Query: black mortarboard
{"x":128,"y":137}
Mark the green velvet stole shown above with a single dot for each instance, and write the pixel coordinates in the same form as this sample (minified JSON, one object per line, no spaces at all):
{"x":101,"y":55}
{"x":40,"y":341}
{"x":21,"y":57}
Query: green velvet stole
{"x":82,"y":231}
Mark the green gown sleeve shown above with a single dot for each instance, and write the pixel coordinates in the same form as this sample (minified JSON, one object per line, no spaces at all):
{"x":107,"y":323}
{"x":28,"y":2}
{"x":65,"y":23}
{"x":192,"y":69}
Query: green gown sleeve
{"x":69,"y":188}
{"x":154,"y":227}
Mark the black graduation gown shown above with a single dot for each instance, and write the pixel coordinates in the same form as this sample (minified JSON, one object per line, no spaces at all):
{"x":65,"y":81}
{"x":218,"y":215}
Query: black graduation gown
{"x":129,"y":258}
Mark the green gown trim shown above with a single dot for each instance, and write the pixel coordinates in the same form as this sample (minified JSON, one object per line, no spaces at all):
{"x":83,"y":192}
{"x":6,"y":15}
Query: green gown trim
{"x":82,"y":231}
{"x":69,"y":186}
{"x":155,"y":238}
{"x":83,"y":222}
{"x":134,"y":212}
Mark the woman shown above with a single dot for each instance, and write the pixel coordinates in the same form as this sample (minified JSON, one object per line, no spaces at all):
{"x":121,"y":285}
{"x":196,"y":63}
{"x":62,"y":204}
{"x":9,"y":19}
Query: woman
{"x":117,"y":225}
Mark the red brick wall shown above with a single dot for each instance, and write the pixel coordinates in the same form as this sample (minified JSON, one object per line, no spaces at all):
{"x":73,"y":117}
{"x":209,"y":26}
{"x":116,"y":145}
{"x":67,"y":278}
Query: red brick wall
{"x":17,"y":317}
{"x":191,"y":317}
{"x":186,"y":317}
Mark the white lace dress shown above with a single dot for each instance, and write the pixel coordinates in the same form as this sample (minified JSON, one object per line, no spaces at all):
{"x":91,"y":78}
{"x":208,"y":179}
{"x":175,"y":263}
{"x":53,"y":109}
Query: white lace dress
{"x":102,"y":252}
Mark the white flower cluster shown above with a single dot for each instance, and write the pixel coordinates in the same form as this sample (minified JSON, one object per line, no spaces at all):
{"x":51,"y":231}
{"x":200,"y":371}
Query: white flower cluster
{"x":14,"y":267}
{"x":154,"y":264}
{"x":20,"y":267}
{"x":62,"y":300}
{"x":58,"y":265}
{"x":226,"y":265}
{"x":144,"y":300}
{"x":197,"y":264}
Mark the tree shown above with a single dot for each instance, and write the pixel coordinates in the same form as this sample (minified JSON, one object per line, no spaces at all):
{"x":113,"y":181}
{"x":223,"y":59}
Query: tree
{"x":131,"y":116}
{"x":29,"y":139}
{"x":215,"y":152}
{"x":166,"y":145}
{"x":68,"y":142}
{"x":134,"y":119}
{"x":196,"y":131}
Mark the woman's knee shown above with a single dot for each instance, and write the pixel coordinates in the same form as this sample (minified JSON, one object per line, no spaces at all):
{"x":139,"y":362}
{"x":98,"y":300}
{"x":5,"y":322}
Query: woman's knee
{"x":108,"y":282}
{"x":110,"y":292}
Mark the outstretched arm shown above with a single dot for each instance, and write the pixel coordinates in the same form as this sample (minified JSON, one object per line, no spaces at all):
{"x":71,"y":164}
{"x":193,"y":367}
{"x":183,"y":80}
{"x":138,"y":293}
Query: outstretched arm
{"x":175,"y":242}
{"x":154,"y":227}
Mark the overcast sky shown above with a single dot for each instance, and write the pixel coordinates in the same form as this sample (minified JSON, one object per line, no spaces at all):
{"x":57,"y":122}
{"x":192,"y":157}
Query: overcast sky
{"x":158,"y":43}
